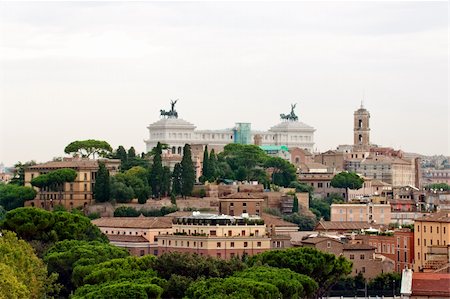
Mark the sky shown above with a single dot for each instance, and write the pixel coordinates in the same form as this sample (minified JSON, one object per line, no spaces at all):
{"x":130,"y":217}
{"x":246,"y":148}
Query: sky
{"x":103,"y":70}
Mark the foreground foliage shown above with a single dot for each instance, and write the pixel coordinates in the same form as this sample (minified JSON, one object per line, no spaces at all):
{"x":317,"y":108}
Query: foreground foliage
{"x":22,"y":273}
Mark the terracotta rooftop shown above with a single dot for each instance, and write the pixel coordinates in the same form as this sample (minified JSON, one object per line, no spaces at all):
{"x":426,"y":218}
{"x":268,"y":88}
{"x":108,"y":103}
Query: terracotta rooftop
{"x":72,"y":163}
{"x":358,"y":247}
{"x":271,"y":220}
{"x":344,"y":225}
{"x":431,"y":284}
{"x":125,"y":238}
{"x":244,"y":195}
{"x":442,"y":216}
{"x":134,"y":222}
{"x":318,"y":240}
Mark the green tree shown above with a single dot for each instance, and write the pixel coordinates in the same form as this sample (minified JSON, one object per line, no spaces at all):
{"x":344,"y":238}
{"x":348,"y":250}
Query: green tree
{"x":232,"y":287}
{"x":205,"y":167}
{"x":14,"y":196}
{"x":119,"y":289}
{"x":131,"y":153}
{"x":18,"y":177}
{"x":438,"y":186}
{"x":320,"y":208}
{"x":126,"y":212}
{"x":347,"y":180}
{"x":166,"y":181}
{"x":157,"y":171}
{"x":283,"y":171}
{"x":212,"y":166}
{"x":22,"y":273}
{"x":385,"y":283}
{"x":187,"y":172}
{"x":177,"y":179}
{"x":55,"y":180}
{"x":86,"y":148}
{"x":121,"y":154}
{"x":289,"y":283}
{"x":47,"y":227}
{"x":295,"y":206}
{"x":120,"y":191}
{"x":2,"y":213}
{"x":304,"y":222}
{"x":302,"y":187}
{"x":325,"y":268}
{"x":102,"y":192}
{"x":63,"y":257}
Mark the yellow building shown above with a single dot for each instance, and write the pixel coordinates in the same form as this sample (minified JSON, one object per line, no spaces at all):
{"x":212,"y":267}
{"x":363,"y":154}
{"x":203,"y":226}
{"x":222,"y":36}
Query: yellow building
{"x":431,"y":235}
{"x":75,"y":194}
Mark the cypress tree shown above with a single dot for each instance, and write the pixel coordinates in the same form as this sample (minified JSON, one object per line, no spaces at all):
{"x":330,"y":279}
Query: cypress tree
{"x":102,"y":187}
{"x":166,"y":181}
{"x":131,"y":153}
{"x":205,"y":168}
{"x":176,"y":179}
{"x":212,"y":164}
{"x":121,"y":154}
{"x":295,"y":206}
{"x":156,"y":173}
{"x":187,"y":172}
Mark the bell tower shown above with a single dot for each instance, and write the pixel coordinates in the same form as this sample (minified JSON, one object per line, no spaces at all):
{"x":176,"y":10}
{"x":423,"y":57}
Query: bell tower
{"x":361,"y":129}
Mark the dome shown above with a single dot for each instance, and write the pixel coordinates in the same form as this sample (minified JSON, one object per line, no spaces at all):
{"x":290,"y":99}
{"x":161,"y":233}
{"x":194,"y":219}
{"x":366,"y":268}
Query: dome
{"x":291,"y":126}
{"x":171,"y":123}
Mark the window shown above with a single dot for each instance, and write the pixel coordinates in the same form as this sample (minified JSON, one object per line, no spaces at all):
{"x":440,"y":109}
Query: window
{"x":142,"y":252}
{"x":212,"y":232}
{"x":437,"y":229}
{"x":218,"y":244}
{"x":245,"y":244}
{"x":431,"y":229}
{"x":398,"y":255}
{"x":163,"y":242}
{"x":243,"y":233}
{"x":230,"y":233}
{"x":363,"y":270}
{"x":258,"y":244}
{"x":232,"y":244}
{"x":244,"y":204}
{"x":424,"y":229}
{"x":352,"y":257}
{"x":418,"y":241}
{"x":418,"y":255}
{"x":431,"y":242}
{"x":328,"y":244}
{"x":424,"y":242}
{"x":201,"y":244}
{"x":85,"y":187}
{"x":85,"y":176}
{"x":418,"y":228}
{"x":406,"y":259}
{"x":187,"y":244}
{"x":361,"y":257}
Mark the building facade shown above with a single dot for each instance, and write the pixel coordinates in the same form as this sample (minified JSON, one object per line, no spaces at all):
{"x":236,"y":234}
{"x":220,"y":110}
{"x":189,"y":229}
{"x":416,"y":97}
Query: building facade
{"x":74,"y":194}
{"x":368,"y":212}
{"x":177,"y":132}
{"x":218,"y":236}
{"x":430,"y":233}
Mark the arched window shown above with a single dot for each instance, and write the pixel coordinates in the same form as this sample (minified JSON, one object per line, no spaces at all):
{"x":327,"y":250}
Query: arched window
{"x":179,"y":150}
{"x":360,"y":123}
{"x":174,"y":150}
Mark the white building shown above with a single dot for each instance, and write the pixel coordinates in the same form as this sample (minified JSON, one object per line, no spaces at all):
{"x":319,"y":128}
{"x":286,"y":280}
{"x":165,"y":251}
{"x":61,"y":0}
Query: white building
{"x":176,"y":132}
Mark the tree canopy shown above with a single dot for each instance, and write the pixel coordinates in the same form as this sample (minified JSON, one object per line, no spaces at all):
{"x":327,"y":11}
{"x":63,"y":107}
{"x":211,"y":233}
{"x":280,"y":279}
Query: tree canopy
{"x":324,"y":268}
{"x":347,"y":180}
{"x":55,"y":179}
{"x":89,"y":147}
{"x":102,"y":190}
{"x":64,"y":256}
{"x":45,"y":226}
{"x":14,"y":196}
{"x":22,"y":273}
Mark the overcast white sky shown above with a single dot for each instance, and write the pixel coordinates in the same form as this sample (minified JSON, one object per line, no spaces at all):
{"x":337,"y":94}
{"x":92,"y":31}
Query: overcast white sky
{"x":72,"y":71}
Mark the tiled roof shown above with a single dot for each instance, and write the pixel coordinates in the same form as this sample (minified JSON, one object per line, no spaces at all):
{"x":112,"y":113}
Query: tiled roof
{"x":271,"y":220}
{"x":344,"y":225}
{"x":134,"y":222}
{"x":317,"y":240}
{"x":431,"y":284}
{"x":127,"y":238}
{"x":442,"y":216}
{"x":244,"y":195}
{"x":73,"y":163}
{"x":358,"y":247}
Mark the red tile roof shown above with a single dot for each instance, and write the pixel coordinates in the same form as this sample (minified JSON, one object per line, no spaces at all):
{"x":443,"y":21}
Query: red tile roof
{"x":126,"y":238}
{"x":431,"y":284}
{"x":134,"y":222}
{"x":442,"y":216}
